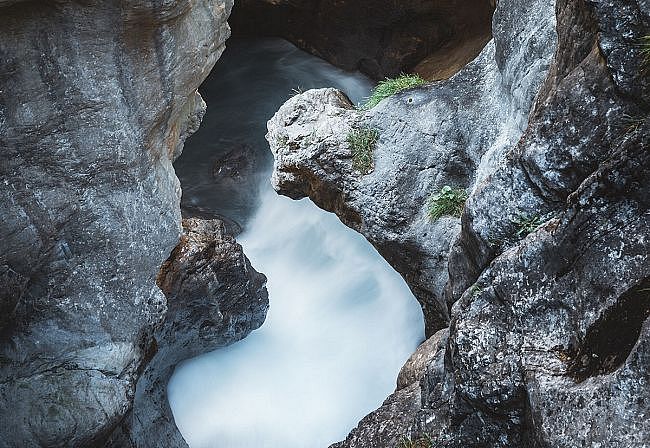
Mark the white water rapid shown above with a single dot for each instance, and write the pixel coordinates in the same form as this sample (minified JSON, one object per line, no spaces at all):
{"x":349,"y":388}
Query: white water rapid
{"x":341,"y":323}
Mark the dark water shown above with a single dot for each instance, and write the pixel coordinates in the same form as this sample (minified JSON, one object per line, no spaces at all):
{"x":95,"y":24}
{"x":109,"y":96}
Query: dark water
{"x":249,"y":84}
{"x":342,"y":322}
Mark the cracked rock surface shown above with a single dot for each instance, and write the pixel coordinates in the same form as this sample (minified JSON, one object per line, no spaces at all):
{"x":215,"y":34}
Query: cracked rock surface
{"x":214,"y":298}
{"x":97,"y":98}
{"x":543,"y":282}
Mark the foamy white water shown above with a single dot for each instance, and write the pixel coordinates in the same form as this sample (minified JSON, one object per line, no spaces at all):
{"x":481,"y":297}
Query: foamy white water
{"x":341,"y":324}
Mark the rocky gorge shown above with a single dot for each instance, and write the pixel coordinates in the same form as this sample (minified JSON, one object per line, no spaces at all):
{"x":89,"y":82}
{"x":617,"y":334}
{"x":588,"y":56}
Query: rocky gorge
{"x":545,"y":325}
{"x":535,"y":297}
{"x":97,"y":99}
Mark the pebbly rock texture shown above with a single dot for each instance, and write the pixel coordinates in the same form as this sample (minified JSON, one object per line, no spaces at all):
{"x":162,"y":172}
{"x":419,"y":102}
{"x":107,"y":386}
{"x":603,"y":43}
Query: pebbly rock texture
{"x":214,"y":298}
{"x":429,"y":138}
{"x":96,"y":99}
{"x":379,"y":37}
{"x":545,"y":281}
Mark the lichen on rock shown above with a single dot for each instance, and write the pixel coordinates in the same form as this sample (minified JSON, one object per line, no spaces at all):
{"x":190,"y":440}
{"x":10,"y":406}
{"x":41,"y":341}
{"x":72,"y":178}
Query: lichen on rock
{"x":546,"y":271}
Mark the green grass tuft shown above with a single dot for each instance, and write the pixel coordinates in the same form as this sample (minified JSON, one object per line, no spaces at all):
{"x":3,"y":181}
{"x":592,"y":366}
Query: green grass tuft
{"x":526,"y":224}
{"x":644,"y":43}
{"x":422,"y":442}
{"x":447,"y":202}
{"x":363,"y":142}
{"x":282,"y":141}
{"x":390,"y":87}
{"x":475,"y":290}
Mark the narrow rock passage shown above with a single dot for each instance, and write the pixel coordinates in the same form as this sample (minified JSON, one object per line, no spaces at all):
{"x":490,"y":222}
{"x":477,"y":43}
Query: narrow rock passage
{"x":341,"y":323}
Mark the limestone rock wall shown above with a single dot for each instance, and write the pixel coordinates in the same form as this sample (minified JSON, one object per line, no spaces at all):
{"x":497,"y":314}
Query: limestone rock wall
{"x":543,"y":283}
{"x":96,"y":98}
{"x":215,"y":298}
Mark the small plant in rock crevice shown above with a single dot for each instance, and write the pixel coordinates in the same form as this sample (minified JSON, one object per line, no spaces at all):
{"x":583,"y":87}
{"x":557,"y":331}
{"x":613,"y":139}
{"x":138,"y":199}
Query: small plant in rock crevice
{"x":391,"y":86}
{"x":282,"y":141}
{"x":476,"y":290}
{"x":526,"y":224}
{"x":448,"y":201}
{"x":421,"y":442}
{"x":632,"y":123}
{"x":644,"y":44}
{"x":362,"y":143}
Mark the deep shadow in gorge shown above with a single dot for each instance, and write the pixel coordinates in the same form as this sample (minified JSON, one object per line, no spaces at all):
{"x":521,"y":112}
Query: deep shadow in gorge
{"x":227,"y":159}
{"x":609,"y":341}
{"x":381,"y":38}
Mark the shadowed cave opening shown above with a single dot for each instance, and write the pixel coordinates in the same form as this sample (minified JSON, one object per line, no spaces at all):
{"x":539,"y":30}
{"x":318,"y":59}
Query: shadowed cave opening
{"x":381,"y":38}
{"x":610,"y":340}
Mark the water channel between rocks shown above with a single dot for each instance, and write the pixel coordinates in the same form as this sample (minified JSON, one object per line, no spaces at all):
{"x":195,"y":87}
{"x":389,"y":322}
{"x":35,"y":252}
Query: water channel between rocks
{"x":341,"y":323}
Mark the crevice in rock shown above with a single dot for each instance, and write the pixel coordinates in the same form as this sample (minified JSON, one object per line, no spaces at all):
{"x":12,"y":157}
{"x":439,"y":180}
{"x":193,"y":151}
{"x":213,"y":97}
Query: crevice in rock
{"x":609,"y":341}
{"x":575,"y":54}
{"x":380,"y":38}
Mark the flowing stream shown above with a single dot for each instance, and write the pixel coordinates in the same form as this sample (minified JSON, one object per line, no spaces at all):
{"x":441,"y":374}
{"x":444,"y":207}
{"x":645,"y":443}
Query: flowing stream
{"x":341,"y":323}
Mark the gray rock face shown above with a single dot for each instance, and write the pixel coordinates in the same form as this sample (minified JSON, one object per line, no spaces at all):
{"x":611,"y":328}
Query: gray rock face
{"x":95,"y":101}
{"x":429,"y":137}
{"x":214,"y":298}
{"x":547,"y":291}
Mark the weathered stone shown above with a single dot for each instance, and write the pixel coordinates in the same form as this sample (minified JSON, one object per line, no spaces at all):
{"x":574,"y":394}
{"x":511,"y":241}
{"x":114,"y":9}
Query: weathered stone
{"x":549,"y":275}
{"x":95,"y":100}
{"x":393,"y":422}
{"x":215,"y":298}
{"x":430,"y":137}
{"x":416,"y":366}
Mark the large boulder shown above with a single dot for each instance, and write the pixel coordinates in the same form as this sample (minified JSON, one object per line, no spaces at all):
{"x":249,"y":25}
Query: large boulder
{"x":429,"y":137}
{"x":544,"y":281}
{"x":214,"y":298}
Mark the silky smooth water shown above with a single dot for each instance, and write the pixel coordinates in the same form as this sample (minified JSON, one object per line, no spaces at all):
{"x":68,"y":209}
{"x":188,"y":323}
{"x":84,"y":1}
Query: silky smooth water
{"x":341,"y":323}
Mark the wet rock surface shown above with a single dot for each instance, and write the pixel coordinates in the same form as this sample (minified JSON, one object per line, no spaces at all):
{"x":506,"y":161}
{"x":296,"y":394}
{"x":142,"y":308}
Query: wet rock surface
{"x":96,"y":100}
{"x":380,"y":38}
{"x":214,"y":298}
{"x":232,"y":175}
{"x":545,"y":277}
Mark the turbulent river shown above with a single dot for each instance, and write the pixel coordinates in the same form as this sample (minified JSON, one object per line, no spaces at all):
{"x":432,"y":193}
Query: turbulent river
{"x":341,"y":322}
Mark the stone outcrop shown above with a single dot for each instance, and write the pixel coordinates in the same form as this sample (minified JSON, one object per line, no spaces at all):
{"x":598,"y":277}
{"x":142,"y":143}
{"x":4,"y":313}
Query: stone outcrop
{"x":214,"y":298}
{"x":379,"y":37}
{"x":96,"y":99}
{"x":544,"y":280}
{"x":429,"y":138}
